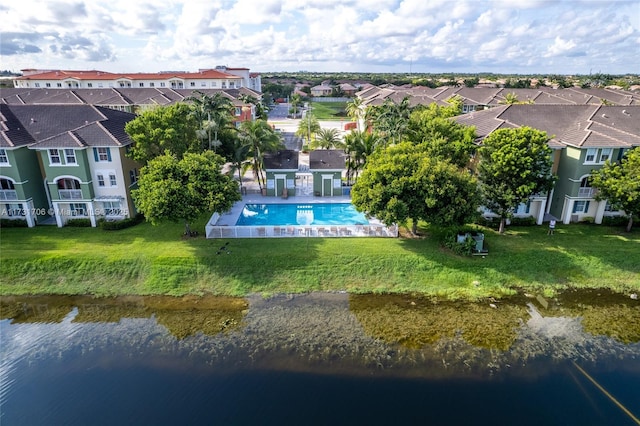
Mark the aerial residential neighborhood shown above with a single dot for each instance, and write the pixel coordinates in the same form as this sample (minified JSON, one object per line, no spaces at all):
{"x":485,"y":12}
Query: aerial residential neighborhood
{"x":64,"y":148}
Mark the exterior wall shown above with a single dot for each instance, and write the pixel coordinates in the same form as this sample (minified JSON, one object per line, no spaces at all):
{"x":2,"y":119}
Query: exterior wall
{"x":571,"y":170}
{"x":320,"y":186}
{"x":29,"y":200}
{"x":278,"y":178}
{"x":168,"y":83}
{"x":131,"y":172}
{"x":117,"y":166}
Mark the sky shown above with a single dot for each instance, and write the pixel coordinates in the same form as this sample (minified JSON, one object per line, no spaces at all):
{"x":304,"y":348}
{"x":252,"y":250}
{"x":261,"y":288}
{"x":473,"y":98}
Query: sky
{"x":408,"y":36}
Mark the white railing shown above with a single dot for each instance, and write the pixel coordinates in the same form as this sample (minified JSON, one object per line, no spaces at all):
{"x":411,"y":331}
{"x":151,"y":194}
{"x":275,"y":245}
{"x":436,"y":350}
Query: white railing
{"x":217,"y":231}
{"x":8,"y":195}
{"x":586,"y":192}
{"x":70,"y":194}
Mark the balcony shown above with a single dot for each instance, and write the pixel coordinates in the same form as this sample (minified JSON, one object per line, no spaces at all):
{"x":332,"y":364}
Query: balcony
{"x":586,"y":192}
{"x":8,"y":195}
{"x":70,"y":194}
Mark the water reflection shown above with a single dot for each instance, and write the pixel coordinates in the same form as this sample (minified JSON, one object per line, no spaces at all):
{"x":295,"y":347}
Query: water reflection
{"x":182,"y":316}
{"x":170,"y":355}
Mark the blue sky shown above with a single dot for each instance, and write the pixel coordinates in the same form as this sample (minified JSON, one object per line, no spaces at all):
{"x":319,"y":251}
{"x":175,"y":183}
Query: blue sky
{"x":464,"y":36}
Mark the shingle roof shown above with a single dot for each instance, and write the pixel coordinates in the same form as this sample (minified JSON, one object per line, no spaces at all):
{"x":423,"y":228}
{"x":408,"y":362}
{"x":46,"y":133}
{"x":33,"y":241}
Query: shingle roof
{"x":327,"y":159}
{"x":282,"y":160}
{"x":62,"y":126}
{"x":575,"y":125}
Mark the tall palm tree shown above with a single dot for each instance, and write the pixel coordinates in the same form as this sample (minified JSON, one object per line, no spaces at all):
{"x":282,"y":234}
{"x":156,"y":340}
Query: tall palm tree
{"x":354,"y":110}
{"x":262,"y":138}
{"x":391,"y":119}
{"x":359,"y":146}
{"x":213,"y":112}
{"x":295,"y":100}
{"x":308,"y":126}
{"x":327,"y":139}
{"x":239,"y":158}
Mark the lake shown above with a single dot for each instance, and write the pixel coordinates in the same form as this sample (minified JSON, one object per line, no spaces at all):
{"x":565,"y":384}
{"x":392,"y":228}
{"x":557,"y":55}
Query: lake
{"x":320,"y":358}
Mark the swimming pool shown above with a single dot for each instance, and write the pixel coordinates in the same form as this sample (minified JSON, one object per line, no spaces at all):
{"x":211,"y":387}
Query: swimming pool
{"x":301,"y":214}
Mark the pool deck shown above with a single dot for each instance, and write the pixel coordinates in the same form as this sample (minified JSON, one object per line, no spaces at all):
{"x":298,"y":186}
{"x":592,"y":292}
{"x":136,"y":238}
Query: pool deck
{"x":223,"y":226}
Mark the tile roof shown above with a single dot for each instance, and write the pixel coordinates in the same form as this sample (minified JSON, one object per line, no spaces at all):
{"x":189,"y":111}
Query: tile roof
{"x":63,"y":126}
{"x":103,"y":75}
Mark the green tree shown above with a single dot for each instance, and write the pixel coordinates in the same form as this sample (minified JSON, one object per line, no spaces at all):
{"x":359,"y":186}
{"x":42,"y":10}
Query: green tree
{"x":402,"y":182}
{"x":354,"y":110}
{"x":514,"y":165}
{"x":619,"y":183}
{"x":445,"y":138}
{"x":391,"y":119}
{"x":261,"y":110}
{"x":262,"y":138}
{"x":359,"y":146}
{"x":295,"y":101}
{"x":308,"y":126}
{"x":167,"y":128}
{"x":213,"y":113}
{"x":327,"y":139}
{"x":176,"y":189}
{"x":240,"y":158}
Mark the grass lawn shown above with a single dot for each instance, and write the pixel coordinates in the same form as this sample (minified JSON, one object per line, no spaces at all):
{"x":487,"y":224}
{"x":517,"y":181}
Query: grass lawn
{"x":329,"y":110}
{"x":156,"y":260}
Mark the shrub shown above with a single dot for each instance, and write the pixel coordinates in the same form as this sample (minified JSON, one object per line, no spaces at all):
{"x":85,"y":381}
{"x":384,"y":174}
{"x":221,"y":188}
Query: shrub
{"x":615,"y":220}
{"x":79,"y":223}
{"x":587,"y":219}
{"x":450,"y":241}
{"x":121,"y":224}
{"x":488,"y":222}
{"x":13,"y":223}
{"x":523,"y":221}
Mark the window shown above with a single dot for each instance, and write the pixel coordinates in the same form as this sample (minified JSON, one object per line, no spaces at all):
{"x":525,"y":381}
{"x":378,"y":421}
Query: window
{"x":152,"y":84}
{"x":70,"y":156}
{"x":162,"y":84}
{"x":203,"y":84}
{"x":59,"y":84}
{"x":37,"y":84}
{"x":14,"y":210}
{"x":4,"y":159}
{"x":605,"y":154}
{"x":68,"y":184}
{"x":78,"y":209}
{"x":192,"y":84}
{"x":100,"y":180}
{"x":100,"y":85}
{"x":101,"y":154}
{"x":48,"y":84}
{"x":133,"y":175}
{"x":121,"y":84}
{"x":238,"y":111}
{"x":112,"y":208}
{"x":54,"y":156}
{"x":6,"y":184}
{"x":89,"y":84}
{"x":598,"y":155}
{"x":591,"y":155}
{"x":581,"y":206}
{"x":141,"y":84}
{"x":112,"y":180}
{"x":214,"y":84}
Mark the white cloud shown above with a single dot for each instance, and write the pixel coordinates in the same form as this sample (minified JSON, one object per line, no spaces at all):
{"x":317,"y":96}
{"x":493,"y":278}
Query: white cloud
{"x":386,"y":35}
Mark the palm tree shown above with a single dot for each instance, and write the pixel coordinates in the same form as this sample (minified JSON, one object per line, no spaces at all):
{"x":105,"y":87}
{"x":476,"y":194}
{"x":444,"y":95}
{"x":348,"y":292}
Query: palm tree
{"x":359,"y":146}
{"x":295,"y":100}
{"x":213,"y":113}
{"x":327,"y":139}
{"x":391,"y":119}
{"x":261,"y":137}
{"x":261,"y":110}
{"x":239,"y":158}
{"x":308,"y":126}
{"x":354,"y":110}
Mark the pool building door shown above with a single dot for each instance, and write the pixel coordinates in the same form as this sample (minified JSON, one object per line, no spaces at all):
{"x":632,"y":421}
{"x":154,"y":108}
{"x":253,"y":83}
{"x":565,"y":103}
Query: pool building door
{"x":327,"y":183}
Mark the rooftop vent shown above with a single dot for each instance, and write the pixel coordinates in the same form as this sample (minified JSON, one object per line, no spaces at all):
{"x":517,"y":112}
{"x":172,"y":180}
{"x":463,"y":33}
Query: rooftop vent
{"x":604,"y":116}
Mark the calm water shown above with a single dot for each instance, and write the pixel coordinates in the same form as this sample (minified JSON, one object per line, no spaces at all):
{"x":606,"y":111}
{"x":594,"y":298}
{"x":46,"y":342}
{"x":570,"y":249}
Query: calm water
{"x":319,"y":359}
{"x":301,"y":214}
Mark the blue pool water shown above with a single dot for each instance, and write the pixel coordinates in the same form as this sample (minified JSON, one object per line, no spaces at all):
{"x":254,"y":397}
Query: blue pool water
{"x":301,"y":214}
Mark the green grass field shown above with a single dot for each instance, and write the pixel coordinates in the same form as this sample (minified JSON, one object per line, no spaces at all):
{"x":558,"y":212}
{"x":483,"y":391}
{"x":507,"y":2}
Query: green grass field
{"x":329,"y":110}
{"x":147,"y":260}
